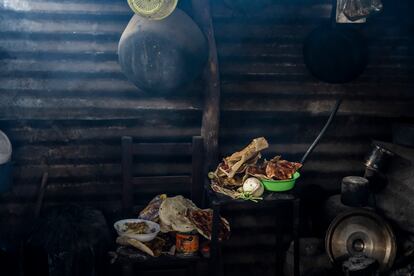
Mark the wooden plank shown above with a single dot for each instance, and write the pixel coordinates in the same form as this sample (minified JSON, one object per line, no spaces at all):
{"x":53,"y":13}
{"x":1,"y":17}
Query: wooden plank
{"x":211,"y":110}
{"x":162,"y":149}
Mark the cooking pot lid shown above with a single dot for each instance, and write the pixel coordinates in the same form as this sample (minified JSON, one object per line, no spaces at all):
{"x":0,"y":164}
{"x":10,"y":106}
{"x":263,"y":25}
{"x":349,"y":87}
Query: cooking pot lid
{"x":5,"y":148}
{"x":361,"y":232}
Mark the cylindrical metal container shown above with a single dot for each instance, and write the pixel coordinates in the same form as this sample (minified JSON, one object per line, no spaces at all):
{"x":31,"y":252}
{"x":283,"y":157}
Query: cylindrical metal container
{"x":361,"y":232}
{"x":186,"y":244}
{"x":379,"y":158}
{"x":355,"y":191}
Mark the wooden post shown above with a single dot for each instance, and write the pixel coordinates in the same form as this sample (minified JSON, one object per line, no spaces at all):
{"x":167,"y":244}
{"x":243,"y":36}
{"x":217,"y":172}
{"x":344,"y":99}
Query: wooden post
{"x":211,"y":111}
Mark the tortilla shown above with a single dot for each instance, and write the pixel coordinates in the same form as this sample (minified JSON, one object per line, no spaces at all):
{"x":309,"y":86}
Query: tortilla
{"x":152,"y":248}
{"x":135,"y":243}
{"x":173,"y":214}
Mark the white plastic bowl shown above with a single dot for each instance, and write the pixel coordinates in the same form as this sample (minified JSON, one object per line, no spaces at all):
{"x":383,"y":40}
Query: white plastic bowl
{"x":121,"y":227}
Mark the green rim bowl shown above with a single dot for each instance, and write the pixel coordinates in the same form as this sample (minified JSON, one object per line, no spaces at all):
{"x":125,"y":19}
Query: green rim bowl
{"x":280,"y":185}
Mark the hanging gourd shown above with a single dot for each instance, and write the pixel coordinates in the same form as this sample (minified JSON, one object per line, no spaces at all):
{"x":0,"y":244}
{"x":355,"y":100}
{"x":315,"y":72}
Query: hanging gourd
{"x":162,"y":55}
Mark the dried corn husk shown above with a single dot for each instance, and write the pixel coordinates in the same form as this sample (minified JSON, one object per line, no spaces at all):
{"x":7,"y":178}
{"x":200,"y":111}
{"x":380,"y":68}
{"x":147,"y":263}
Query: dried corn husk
{"x":235,"y":161}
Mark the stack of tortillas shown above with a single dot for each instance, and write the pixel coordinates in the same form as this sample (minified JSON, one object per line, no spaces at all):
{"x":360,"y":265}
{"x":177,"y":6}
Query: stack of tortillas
{"x":173,"y":212}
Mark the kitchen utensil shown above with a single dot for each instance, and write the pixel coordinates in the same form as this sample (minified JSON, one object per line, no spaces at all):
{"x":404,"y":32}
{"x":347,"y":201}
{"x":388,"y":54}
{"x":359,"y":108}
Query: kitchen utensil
{"x":153,"y":9}
{"x":355,"y":191}
{"x":335,"y":53}
{"x":361,"y":231}
{"x":379,"y":158}
{"x":323,"y":131}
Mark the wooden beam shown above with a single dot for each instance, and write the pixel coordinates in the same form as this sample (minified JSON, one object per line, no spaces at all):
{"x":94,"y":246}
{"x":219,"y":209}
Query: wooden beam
{"x":211,"y":110}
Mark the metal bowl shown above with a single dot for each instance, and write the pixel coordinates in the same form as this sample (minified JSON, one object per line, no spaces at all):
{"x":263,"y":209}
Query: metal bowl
{"x":361,"y":231}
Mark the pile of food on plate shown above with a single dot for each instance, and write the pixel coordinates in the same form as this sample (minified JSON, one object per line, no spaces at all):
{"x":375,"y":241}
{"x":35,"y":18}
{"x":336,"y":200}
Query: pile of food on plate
{"x":242,"y":174}
{"x":170,"y":225}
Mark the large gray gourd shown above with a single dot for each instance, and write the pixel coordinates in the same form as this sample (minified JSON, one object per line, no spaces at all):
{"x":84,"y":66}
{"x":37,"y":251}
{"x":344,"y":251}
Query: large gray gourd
{"x":163,"y":55}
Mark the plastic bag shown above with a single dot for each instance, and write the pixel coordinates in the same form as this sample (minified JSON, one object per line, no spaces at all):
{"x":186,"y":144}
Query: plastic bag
{"x":358,"y":9}
{"x":151,"y":212}
{"x":341,"y":17}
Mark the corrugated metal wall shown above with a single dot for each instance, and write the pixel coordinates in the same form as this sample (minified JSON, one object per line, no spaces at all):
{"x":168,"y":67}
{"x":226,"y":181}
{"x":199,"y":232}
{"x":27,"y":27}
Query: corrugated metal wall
{"x":267,"y":91}
{"x":65,"y":104}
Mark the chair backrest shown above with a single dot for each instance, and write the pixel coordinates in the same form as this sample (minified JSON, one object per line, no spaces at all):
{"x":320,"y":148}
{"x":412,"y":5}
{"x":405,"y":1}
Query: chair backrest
{"x":132,"y":184}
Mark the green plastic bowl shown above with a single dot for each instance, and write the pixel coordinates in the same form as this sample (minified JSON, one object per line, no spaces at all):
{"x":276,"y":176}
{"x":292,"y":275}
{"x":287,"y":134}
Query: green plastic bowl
{"x":280,"y":185}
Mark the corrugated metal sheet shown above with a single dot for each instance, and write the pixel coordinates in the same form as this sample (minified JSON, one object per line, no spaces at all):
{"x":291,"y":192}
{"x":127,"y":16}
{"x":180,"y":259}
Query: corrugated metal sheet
{"x":268,"y":91}
{"x":65,"y":104}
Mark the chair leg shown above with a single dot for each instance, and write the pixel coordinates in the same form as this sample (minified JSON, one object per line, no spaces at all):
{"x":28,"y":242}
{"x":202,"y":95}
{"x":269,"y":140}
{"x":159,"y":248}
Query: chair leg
{"x":296,"y":246}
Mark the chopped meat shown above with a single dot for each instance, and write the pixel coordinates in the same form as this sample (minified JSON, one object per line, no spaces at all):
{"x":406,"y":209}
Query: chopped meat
{"x":281,"y":169}
{"x":203,"y":221}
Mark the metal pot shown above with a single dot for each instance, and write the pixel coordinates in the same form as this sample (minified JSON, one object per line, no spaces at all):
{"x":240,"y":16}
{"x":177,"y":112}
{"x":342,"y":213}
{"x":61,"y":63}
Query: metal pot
{"x":361,"y":232}
{"x":335,"y":54}
{"x":379,"y":158}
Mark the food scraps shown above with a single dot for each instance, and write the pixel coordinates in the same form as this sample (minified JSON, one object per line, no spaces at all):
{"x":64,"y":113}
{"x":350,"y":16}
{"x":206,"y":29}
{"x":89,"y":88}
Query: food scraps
{"x":203,"y":222}
{"x":137,"y":228}
{"x":182,"y":215}
{"x":175,"y":215}
{"x":232,"y":174}
{"x":151,"y":211}
{"x":153,"y":248}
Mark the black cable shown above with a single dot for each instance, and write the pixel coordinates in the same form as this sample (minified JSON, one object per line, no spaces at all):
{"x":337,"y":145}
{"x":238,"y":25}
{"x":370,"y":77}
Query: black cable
{"x":322,"y":133}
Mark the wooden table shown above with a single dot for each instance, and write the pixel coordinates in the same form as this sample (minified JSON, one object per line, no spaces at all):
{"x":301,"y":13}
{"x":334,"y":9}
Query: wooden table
{"x":217,"y":201}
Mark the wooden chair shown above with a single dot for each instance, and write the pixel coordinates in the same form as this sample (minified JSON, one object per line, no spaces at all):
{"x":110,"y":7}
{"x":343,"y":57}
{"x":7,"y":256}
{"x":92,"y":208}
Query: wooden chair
{"x":132,"y":185}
